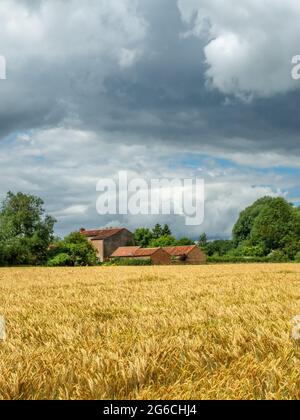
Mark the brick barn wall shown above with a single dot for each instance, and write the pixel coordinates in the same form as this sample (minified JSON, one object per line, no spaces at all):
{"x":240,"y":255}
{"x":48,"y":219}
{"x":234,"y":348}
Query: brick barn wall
{"x":124,"y":238}
{"x":161,"y":258}
{"x":196,"y":257}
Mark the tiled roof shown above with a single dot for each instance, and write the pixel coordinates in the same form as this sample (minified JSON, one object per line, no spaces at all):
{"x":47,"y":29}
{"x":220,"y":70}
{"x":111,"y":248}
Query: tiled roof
{"x":178,"y":251}
{"x":134,"y":251}
{"x":146,"y":252}
{"x":123,"y":252}
{"x":101,"y":233}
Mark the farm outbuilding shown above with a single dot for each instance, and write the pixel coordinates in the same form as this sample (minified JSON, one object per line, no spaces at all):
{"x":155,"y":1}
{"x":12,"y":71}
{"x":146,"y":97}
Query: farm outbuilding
{"x":186,"y":255}
{"x":157,"y":255}
{"x":106,"y":241}
{"x":112,"y":243}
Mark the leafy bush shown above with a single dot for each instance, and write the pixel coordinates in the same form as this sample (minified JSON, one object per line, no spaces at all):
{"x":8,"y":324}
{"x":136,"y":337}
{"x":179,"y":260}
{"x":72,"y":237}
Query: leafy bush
{"x":247,"y":250}
{"x":297,"y":257}
{"x":218,"y":247}
{"x":77,"y":248}
{"x":274,"y":257}
{"x":277,"y":256}
{"x":131,"y":262}
{"x":230,"y":259}
{"x":60,"y":260}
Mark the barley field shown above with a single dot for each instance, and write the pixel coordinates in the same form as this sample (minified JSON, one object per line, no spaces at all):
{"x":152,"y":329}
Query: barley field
{"x":209,"y":332}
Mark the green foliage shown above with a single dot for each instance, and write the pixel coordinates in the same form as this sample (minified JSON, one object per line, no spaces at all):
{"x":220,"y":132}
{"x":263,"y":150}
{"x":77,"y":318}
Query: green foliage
{"x":292,"y":247}
{"x":248,"y":250}
{"x":219,"y":247}
{"x":132,"y":262}
{"x":143,"y":237}
{"x":25,"y":230}
{"x":244,"y":225}
{"x":77,"y":248}
{"x":273,"y":226}
{"x":184,"y":242}
{"x":158,"y":237}
{"x":163,"y":241}
{"x":232,"y":259}
{"x":269,"y":230}
{"x":60,"y":260}
{"x":157,"y":232}
{"x":203,"y":242}
{"x":277,"y":256}
{"x":270,"y":224}
{"x":166,"y":231}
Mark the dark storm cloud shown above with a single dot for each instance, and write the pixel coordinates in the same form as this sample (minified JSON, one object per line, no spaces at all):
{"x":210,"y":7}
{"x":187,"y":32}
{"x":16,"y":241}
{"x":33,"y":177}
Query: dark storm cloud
{"x":95,"y":87}
{"x":162,"y":96}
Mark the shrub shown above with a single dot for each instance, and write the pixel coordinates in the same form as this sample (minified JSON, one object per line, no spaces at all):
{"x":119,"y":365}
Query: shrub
{"x":273,"y":257}
{"x":132,"y":262}
{"x":77,"y":248}
{"x":60,"y":260}
{"x":278,"y":256}
{"x":230,"y":259}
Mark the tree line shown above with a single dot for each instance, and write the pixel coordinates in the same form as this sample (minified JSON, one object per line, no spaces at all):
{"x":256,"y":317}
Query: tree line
{"x":268,"y":230}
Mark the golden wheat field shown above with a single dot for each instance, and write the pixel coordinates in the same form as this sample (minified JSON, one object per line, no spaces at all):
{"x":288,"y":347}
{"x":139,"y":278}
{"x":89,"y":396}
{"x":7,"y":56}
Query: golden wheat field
{"x":210,"y":332}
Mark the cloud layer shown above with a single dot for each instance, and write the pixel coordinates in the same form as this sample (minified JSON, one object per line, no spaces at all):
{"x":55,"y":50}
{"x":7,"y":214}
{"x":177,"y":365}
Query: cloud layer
{"x":251,"y":43}
{"x":63,"y":166}
{"x":189,"y":89}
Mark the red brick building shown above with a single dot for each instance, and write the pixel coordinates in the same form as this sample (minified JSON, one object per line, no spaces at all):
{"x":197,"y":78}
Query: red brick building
{"x":157,"y":255}
{"x":119,"y":243}
{"x":106,"y":241}
{"x":190,"y":255}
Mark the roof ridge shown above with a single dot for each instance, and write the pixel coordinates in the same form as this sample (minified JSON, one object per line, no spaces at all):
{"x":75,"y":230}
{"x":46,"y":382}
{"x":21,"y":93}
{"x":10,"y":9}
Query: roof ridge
{"x":95,"y":234}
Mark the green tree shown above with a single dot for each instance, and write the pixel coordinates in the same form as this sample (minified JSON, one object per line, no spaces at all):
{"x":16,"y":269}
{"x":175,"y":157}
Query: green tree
{"x":270,"y":224}
{"x":274,"y":227}
{"x":74,"y":250}
{"x":219,"y":248}
{"x":246,"y":249}
{"x":185,"y":242}
{"x":163,"y":241}
{"x":143,"y":237}
{"x":244,"y":225}
{"x":157,"y":232}
{"x":203,"y":242}
{"x":166,"y":231}
{"x":25,"y":230}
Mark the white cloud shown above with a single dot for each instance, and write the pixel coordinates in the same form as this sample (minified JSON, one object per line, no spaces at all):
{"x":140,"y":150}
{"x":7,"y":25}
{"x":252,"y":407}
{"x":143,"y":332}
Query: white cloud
{"x":253,"y":158}
{"x":63,"y":166}
{"x":250,"y":43}
{"x":75,"y":210}
{"x":59,"y":29}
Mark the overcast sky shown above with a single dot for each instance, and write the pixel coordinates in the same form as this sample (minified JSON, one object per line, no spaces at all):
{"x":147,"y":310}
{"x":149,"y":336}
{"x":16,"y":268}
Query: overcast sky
{"x":187,"y":88}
